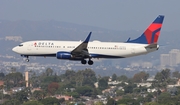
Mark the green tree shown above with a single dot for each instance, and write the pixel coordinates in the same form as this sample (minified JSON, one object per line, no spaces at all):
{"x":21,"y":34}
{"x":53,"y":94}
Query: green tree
{"x":35,"y":80}
{"x":119,"y":92}
{"x":176,"y":74}
{"x":111,"y":101}
{"x":22,"y":96}
{"x":38,"y":95}
{"x":126,"y":101}
{"x":45,"y":81}
{"x":129,"y":88}
{"x":70,"y":74}
{"x":89,"y":77}
{"x":50,"y":101}
{"x":164,"y":98}
{"x":6,"y":96}
{"x":152,"y":103}
{"x":74,"y":94}
{"x":49,"y":72}
{"x":122,"y":78}
{"x":32,"y":103}
{"x":79,"y":78}
{"x":163,"y":75}
{"x":85,"y":90}
{"x":99,"y":103}
{"x":13,"y":69}
{"x":103,"y":84}
{"x":56,"y":78}
{"x":14,"y":79}
{"x":162,"y":78}
{"x":12,"y":102}
{"x":148,"y":98}
{"x":2,"y":76}
{"x":178,"y":90}
{"x":114,"y":77}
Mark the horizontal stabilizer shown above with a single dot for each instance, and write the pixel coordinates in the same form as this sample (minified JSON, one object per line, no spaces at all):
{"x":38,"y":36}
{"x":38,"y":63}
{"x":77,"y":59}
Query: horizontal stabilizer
{"x":152,"y":46}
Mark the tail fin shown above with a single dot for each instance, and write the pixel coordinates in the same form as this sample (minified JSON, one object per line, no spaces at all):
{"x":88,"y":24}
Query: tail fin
{"x":151,"y":34}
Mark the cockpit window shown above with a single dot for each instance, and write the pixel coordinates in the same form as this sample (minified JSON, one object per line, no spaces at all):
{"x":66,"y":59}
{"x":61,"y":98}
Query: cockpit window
{"x":20,"y":45}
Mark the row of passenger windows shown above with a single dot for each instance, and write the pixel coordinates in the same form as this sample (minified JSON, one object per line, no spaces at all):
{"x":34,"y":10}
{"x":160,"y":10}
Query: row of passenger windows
{"x":122,"y":48}
{"x":103,"y":48}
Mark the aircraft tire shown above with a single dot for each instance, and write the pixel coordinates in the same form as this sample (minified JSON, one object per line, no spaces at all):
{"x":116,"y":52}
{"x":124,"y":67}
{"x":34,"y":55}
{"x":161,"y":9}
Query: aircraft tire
{"x":90,"y":62}
{"x":27,"y":60}
{"x":83,"y":61}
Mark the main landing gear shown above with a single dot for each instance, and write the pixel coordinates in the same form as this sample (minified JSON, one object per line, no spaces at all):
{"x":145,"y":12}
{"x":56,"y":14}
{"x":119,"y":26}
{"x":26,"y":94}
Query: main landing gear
{"x":90,"y":62}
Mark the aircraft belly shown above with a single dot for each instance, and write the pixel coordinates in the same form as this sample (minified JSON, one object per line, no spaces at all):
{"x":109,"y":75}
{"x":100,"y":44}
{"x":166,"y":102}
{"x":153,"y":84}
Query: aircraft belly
{"x":40,"y":52}
{"x":116,"y":53}
{"x":110,"y":53}
{"x":138,"y":51}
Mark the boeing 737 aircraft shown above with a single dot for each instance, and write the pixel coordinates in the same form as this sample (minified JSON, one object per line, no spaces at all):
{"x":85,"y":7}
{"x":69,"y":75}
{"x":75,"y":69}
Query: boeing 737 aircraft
{"x":83,"y":51}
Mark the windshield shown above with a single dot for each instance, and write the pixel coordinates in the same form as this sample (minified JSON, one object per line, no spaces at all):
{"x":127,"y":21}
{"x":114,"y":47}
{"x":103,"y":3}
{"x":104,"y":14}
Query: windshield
{"x":20,"y":45}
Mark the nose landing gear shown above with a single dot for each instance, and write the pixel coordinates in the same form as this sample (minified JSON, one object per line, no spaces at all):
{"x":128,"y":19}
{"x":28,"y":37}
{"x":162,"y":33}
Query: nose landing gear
{"x":27,"y":58}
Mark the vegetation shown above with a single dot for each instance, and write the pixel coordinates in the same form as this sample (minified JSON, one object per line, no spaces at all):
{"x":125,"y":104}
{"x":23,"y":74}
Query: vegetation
{"x":81,"y":84}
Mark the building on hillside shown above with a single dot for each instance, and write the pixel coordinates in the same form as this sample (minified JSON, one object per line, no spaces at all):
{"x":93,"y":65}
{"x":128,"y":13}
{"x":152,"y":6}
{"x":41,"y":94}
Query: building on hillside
{"x":144,"y":84}
{"x":17,"y":89}
{"x":1,"y":83}
{"x":36,"y":89}
{"x":67,"y":98}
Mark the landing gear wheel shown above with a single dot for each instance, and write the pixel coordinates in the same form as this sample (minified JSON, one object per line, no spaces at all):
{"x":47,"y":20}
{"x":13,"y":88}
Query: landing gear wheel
{"x":83,"y":61}
{"x":27,"y":60}
{"x":90,"y":62}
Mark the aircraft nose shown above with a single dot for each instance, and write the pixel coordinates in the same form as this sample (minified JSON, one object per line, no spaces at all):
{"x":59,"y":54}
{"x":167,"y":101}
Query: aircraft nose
{"x":15,"y":49}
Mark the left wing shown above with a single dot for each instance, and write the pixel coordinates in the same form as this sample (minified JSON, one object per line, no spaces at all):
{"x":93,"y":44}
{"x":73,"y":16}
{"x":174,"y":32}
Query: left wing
{"x":81,"y":50}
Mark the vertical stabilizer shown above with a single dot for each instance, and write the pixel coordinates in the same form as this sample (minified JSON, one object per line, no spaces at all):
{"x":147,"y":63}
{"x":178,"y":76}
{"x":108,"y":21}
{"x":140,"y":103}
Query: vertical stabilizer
{"x":151,"y":34}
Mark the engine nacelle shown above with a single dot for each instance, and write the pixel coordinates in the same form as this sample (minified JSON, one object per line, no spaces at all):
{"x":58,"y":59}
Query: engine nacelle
{"x":63,"y":55}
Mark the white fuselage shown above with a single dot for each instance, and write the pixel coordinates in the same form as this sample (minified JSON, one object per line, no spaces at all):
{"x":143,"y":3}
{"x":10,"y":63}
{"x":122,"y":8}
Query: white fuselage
{"x":96,"y":49}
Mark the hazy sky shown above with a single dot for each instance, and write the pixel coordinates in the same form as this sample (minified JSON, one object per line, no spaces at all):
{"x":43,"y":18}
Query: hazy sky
{"x":110,"y":14}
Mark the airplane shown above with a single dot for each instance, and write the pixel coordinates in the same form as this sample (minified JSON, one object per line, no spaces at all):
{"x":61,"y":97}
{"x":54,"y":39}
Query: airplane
{"x":85,"y":50}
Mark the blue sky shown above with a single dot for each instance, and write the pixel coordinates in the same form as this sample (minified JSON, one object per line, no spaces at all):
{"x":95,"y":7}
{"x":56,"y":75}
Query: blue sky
{"x":110,"y":14}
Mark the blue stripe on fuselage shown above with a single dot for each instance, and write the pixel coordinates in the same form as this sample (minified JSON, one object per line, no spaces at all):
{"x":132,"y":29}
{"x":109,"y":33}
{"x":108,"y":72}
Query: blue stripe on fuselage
{"x":92,"y":55}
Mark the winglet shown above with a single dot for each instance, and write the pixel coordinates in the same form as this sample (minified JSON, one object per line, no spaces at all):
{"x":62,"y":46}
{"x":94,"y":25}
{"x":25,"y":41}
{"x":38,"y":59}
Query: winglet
{"x":128,"y":39}
{"x":88,"y":37}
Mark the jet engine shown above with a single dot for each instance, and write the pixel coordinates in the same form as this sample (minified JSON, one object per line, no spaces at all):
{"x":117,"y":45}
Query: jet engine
{"x":63,"y":55}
